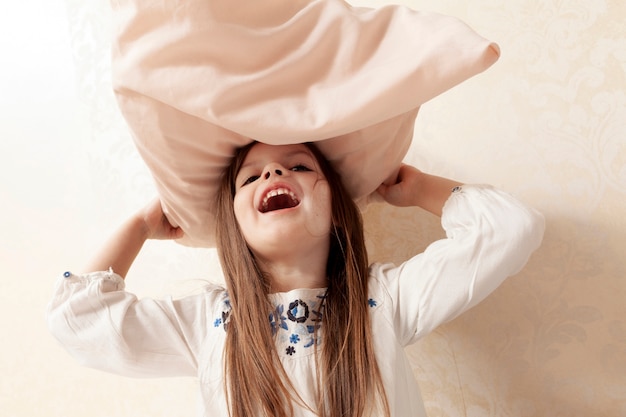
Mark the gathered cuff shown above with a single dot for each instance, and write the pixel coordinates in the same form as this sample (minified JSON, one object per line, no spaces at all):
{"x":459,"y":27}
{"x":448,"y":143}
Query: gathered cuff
{"x":109,"y":280}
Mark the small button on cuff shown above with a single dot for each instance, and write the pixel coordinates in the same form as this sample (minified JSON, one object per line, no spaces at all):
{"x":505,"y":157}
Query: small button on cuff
{"x":67,"y":274}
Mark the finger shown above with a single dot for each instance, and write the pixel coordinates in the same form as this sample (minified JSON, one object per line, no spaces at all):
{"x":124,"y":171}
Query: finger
{"x":382,"y":190}
{"x":177,"y":233}
{"x":401,"y":170}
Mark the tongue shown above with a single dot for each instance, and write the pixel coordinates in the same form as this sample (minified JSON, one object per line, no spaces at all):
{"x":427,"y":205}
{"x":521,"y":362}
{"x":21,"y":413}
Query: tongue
{"x":280,"y":202}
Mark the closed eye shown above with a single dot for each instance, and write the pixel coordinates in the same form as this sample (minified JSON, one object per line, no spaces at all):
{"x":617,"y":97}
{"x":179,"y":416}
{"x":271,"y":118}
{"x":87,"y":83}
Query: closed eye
{"x":300,"y":167}
{"x":250,"y":180}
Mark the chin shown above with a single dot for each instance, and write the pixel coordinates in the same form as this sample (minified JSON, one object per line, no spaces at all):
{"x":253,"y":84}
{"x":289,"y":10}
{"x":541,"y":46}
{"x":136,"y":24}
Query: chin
{"x":289,"y":244}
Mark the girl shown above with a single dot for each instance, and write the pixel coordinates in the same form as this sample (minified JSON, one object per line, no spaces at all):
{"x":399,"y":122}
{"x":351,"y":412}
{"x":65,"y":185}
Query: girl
{"x":304,"y":327}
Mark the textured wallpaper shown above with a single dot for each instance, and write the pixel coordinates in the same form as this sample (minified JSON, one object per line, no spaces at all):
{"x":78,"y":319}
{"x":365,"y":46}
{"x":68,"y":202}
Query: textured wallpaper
{"x":547,"y":123}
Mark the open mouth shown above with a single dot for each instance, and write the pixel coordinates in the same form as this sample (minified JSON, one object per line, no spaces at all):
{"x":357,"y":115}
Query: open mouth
{"x":278,"y":199}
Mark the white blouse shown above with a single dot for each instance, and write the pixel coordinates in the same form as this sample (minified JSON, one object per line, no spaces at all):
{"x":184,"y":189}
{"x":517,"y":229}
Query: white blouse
{"x":490,"y":236}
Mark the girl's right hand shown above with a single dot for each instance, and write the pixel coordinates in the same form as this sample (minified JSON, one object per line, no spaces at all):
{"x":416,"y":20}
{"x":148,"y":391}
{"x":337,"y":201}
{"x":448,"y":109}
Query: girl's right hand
{"x":156,"y":225}
{"x":121,"y":249}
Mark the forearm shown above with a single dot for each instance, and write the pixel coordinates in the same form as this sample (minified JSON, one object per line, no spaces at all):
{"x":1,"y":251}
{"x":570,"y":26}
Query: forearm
{"x":433,"y":192}
{"x":121,"y":249}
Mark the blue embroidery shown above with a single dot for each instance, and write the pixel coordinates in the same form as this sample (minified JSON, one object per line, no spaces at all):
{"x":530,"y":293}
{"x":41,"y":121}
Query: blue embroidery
{"x":372,"y":303}
{"x":298,"y":311}
{"x":277,"y":320}
{"x":223,"y":319}
{"x":225,"y":316}
{"x":294,"y":338}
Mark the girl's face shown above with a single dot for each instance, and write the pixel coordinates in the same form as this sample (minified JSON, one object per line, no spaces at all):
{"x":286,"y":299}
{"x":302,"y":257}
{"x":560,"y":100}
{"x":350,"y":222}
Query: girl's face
{"x":282,"y":200}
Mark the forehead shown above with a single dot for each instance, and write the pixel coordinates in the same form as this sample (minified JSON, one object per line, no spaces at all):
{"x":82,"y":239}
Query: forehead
{"x":262,"y":153}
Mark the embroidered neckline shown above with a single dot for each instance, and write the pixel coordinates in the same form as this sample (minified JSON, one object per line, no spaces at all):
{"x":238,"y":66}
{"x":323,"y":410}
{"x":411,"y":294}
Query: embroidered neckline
{"x":295,"y":321}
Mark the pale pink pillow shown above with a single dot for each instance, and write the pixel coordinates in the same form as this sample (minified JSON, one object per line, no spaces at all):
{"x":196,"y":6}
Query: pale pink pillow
{"x":197,"y":79}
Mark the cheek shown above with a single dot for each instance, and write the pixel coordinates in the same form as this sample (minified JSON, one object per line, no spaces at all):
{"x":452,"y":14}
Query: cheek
{"x":321,"y":191}
{"x":239,"y":209}
{"x":322,"y":209}
{"x":242,"y":217}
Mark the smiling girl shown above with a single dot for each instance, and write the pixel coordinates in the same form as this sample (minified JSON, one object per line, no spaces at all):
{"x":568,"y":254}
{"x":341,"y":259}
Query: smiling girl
{"x":305,"y":326}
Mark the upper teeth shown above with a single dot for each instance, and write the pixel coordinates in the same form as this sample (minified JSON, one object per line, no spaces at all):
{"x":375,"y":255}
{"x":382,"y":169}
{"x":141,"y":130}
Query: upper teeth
{"x":274,"y":193}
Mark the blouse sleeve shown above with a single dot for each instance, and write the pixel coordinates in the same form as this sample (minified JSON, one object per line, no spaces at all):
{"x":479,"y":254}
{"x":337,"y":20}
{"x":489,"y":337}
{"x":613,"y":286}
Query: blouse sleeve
{"x":107,"y":328}
{"x":489,"y":237}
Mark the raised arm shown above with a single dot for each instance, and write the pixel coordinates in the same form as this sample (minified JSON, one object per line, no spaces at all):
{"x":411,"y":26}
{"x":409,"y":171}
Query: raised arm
{"x":121,"y":249}
{"x":490,"y":236}
{"x":415,"y":188}
{"x":105,"y":327}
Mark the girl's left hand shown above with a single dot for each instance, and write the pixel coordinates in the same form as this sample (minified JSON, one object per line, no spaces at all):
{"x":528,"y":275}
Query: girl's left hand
{"x":415,"y":188}
{"x":404,"y":191}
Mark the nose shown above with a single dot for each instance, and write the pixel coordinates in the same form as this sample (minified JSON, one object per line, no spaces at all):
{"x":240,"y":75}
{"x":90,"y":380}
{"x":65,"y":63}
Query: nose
{"x":272,"y":170}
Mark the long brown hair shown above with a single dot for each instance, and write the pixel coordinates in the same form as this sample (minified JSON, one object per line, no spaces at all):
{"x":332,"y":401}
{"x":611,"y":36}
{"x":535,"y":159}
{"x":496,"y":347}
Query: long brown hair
{"x":349,"y":381}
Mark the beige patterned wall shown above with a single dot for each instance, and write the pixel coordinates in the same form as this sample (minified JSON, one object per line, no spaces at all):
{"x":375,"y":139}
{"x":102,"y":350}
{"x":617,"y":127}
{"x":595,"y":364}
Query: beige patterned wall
{"x":547,"y":123}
